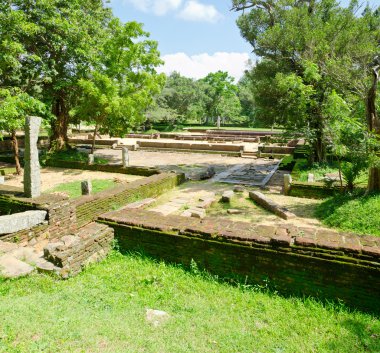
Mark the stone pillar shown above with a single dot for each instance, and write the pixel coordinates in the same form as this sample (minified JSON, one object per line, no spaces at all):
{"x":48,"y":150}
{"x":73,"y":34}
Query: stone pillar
{"x":32,"y":177}
{"x":91,"y":159}
{"x":125,"y":157}
{"x":310,"y":178}
{"x":2,"y":179}
{"x":218,"y":122}
{"x":287,"y":183}
{"x":86,"y":187}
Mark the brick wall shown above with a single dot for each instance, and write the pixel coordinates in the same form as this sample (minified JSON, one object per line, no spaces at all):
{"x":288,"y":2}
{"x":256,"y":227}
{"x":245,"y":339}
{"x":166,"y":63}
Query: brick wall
{"x":142,"y":171}
{"x":88,"y":208}
{"x":295,"y":260}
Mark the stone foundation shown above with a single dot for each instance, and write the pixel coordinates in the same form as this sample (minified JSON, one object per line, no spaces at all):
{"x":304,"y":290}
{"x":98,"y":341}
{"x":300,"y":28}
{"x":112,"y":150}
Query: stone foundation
{"x":293,"y":260}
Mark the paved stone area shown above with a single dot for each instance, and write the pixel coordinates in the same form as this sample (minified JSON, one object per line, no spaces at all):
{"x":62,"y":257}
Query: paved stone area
{"x":190,"y":204}
{"x":192,"y":164}
{"x":253,"y":174}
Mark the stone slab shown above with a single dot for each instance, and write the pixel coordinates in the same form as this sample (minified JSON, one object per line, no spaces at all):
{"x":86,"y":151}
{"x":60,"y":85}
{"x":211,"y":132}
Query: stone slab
{"x":10,"y":267}
{"x":20,"y":221}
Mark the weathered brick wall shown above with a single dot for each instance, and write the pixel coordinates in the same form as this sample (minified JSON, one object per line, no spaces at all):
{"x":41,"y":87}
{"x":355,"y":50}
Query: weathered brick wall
{"x":295,"y":260}
{"x":29,"y":236}
{"x":88,"y":208}
{"x":60,"y":212}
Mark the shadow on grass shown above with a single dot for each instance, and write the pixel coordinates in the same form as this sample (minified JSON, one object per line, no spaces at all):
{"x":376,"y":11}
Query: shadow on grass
{"x":366,"y":337}
{"x":265,"y":286}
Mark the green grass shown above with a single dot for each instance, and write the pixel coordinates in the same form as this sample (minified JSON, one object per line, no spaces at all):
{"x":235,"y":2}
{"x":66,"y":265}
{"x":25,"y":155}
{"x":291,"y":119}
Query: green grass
{"x":103,"y":310}
{"x":360,"y":214}
{"x":73,"y":155}
{"x":302,"y":169}
{"x":74,"y":190}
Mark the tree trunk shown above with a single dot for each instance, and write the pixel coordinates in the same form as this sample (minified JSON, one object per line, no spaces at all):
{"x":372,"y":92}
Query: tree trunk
{"x":16,"y":153}
{"x":93,"y":139}
{"x":60,"y":125}
{"x":374,"y":126}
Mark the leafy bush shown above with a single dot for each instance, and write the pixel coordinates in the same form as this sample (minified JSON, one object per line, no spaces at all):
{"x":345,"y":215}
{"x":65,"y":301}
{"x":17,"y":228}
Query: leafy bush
{"x":70,"y":155}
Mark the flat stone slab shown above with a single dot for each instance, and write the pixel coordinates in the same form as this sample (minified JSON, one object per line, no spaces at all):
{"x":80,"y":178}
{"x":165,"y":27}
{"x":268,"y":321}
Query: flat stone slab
{"x":20,"y":221}
{"x":10,"y":267}
{"x":270,"y":205}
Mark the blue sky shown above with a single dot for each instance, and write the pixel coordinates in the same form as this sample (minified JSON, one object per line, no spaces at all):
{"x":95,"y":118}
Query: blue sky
{"x":195,"y":36}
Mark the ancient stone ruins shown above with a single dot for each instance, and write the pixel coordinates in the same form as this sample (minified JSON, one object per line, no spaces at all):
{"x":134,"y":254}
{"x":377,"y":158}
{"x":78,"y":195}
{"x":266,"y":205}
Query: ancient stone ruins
{"x":217,"y":197}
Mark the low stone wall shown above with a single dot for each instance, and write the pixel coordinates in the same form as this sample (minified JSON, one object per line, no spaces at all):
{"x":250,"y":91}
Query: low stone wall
{"x":38,"y":234}
{"x":98,"y":142}
{"x":6,"y":143}
{"x":295,"y":260}
{"x":109,"y":168}
{"x":61,"y":215}
{"x":190,"y":146}
{"x":88,"y":208}
{"x":276,"y":149}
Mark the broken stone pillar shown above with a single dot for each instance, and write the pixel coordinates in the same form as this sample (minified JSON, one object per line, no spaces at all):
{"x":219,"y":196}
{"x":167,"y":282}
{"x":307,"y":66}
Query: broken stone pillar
{"x":2,"y":179}
{"x":287,"y":183}
{"x":32,"y":177}
{"x":310,"y":178}
{"x":125,"y":157}
{"x":86,"y":187}
{"x":91,"y":159}
{"x":218,"y":122}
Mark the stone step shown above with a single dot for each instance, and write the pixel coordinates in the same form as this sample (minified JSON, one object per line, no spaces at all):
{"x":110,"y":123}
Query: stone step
{"x":72,"y":253}
{"x":11,"y":267}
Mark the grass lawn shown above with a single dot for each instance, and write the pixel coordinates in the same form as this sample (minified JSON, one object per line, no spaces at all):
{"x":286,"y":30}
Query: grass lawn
{"x":103,"y":310}
{"x":74,"y":190}
{"x":360,"y":214}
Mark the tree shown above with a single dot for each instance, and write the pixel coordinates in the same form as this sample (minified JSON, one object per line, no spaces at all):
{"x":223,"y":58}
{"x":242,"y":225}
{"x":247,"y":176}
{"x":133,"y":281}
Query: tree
{"x":14,"y":107}
{"x":222,"y":96}
{"x":373,"y":121}
{"x":308,"y":49}
{"x":116,"y":93}
{"x":55,"y":48}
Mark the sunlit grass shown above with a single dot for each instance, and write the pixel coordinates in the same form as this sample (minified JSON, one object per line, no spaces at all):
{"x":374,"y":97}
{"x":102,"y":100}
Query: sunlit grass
{"x":103,"y":310}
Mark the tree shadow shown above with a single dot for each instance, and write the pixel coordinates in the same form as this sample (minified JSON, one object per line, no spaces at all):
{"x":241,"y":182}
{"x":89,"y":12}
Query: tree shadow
{"x":367,"y":336}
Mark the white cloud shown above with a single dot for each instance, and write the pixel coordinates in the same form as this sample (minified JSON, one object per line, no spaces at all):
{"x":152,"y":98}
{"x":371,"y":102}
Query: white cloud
{"x":198,"y":66}
{"x":158,"y":7}
{"x":196,"y":11}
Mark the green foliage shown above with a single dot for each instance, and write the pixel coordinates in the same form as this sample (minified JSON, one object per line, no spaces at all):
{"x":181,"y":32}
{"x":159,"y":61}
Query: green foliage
{"x":311,"y":63}
{"x":205,"y":315}
{"x":14,"y":107}
{"x":352,"y":212}
{"x":184,"y":100}
{"x":70,"y":155}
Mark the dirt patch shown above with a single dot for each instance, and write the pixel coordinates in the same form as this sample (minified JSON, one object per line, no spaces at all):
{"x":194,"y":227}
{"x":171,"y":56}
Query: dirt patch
{"x":51,"y":177}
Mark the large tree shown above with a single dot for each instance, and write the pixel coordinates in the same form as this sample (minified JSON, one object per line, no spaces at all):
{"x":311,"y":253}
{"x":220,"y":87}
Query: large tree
{"x":55,"y":48}
{"x":222,"y":96}
{"x":115,"y":94}
{"x":308,"y":50}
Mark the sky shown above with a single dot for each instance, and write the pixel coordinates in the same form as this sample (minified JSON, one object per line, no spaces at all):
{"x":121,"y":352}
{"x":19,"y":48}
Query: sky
{"x":195,"y":37}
